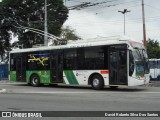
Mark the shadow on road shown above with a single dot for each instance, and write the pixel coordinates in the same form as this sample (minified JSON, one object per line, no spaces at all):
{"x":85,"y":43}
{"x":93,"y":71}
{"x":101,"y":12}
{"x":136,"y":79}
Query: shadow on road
{"x":72,"y":88}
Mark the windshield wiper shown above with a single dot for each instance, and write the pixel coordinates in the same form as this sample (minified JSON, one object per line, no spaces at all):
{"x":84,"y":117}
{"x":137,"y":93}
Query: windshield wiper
{"x":138,"y":53}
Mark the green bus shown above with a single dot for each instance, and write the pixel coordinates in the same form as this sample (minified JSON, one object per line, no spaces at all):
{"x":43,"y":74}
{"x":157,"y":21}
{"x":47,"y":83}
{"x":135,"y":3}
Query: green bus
{"x":111,"y":61}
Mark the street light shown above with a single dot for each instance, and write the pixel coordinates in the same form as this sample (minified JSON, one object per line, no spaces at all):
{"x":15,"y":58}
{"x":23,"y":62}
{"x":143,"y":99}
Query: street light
{"x":124,"y":12}
{"x":45,"y":26}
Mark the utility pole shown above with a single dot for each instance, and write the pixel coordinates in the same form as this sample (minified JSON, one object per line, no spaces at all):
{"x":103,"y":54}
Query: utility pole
{"x":144,"y":25}
{"x":45,"y":26}
{"x":124,"y":12}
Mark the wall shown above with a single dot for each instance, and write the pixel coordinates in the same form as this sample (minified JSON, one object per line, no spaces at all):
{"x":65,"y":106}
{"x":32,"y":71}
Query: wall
{"x":4,"y":72}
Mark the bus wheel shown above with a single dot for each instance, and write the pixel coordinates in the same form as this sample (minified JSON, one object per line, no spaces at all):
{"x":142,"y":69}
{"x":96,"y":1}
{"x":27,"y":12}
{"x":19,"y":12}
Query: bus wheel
{"x":97,"y":82}
{"x":35,"y":81}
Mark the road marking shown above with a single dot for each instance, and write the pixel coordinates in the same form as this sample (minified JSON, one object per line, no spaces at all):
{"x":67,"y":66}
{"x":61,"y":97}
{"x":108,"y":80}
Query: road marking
{"x":6,"y":85}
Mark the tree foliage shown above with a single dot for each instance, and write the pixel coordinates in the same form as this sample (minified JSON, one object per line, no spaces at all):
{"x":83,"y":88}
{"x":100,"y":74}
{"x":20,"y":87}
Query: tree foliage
{"x":29,"y":13}
{"x":68,"y":33}
{"x":153,"y":48}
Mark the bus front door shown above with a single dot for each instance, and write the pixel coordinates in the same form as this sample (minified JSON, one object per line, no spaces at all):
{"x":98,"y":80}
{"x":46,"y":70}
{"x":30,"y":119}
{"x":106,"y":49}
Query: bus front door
{"x":57,"y":68}
{"x":118,"y":67}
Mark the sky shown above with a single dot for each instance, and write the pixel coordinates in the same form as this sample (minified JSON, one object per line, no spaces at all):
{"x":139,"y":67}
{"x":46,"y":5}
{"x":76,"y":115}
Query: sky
{"x":105,"y":21}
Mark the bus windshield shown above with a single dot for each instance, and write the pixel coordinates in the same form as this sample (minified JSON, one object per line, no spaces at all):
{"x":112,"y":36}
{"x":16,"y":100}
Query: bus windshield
{"x":141,"y":60}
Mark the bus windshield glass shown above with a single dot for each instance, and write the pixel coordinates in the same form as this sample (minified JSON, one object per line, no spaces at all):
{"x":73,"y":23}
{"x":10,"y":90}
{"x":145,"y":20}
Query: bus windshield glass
{"x":141,"y":59}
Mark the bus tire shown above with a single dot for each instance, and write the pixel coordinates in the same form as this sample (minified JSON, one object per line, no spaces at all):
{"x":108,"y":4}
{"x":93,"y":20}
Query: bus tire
{"x":97,"y":82}
{"x":35,"y":80}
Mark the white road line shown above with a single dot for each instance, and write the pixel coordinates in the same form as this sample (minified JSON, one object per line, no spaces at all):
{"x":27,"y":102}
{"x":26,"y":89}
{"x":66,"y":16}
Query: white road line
{"x":6,"y":85}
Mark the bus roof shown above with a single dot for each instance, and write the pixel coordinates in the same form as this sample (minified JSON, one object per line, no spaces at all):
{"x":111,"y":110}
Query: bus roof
{"x":113,"y":40}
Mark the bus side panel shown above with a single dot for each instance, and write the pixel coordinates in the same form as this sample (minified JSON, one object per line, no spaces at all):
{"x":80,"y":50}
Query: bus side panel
{"x":13,"y":76}
{"x":80,"y":77}
{"x":43,"y":75}
{"x":70,"y":77}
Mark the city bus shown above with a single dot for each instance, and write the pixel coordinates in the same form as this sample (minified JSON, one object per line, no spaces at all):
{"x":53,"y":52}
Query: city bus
{"x":111,"y":61}
{"x":154,"y":69}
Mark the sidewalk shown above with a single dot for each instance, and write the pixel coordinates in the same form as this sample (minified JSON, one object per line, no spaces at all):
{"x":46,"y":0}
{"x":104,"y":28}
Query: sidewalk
{"x":4,"y":81}
{"x":154,"y":83}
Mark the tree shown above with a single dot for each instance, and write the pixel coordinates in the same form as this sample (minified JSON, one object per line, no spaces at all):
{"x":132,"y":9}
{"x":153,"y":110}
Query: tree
{"x":67,"y":34}
{"x":153,"y":48}
{"x":29,"y":13}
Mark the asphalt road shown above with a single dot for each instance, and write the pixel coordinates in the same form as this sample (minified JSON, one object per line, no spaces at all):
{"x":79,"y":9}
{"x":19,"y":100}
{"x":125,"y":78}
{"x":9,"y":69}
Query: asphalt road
{"x":20,"y":97}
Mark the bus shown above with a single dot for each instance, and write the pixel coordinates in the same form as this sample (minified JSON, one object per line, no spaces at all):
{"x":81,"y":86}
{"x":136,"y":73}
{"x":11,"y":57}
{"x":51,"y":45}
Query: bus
{"x":154,"y":69}
{"x":111,"y":61}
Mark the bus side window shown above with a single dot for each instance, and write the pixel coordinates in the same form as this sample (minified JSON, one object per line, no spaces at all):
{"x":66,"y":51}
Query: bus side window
{"x":152,"y":64}
{"x":131,"y":63}
{"x":80,"y":58}
{"x":70,"y":59}
{"x":158,"y":64}
{"x":94,"y":58}
{"x":13,"y":62}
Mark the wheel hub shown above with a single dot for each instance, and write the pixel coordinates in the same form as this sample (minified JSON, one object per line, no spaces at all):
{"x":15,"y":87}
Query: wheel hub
{"x":35,"y":80}
{"x":95,"y":82}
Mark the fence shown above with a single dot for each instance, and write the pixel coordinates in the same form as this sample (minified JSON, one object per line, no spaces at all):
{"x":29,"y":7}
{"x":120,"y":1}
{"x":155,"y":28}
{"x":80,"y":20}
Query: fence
{"x":4,"y":72}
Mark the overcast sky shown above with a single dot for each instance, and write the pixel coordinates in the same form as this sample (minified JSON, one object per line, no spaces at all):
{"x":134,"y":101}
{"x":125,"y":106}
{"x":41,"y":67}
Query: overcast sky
{"x":102,"y":20}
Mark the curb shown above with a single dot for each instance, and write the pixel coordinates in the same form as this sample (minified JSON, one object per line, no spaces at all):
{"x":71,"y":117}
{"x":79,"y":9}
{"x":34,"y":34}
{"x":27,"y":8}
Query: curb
{"x":2,"y":90}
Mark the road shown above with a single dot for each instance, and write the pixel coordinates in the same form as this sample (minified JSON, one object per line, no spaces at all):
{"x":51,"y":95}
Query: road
{"x":22,"y":97}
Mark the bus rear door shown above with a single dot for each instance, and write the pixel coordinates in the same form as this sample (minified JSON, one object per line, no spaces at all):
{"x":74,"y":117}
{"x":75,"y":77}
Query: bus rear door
{"x":57,"y":67}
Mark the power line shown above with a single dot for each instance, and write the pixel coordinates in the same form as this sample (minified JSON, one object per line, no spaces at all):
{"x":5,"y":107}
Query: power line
{"x":121,"y":32}
{"x":137,"y":20}
{"x":113,"y":5}
{"x":74,"y":1}
{"x":152,"y":7}
{"x":88,"y":4}
{"x":115,"y":22}
{"x":116,"y":9}
{"x":78,"y":1}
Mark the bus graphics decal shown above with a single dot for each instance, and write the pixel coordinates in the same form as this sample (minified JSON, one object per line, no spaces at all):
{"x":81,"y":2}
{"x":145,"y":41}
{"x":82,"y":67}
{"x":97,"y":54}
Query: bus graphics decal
{"x":40,"y":58}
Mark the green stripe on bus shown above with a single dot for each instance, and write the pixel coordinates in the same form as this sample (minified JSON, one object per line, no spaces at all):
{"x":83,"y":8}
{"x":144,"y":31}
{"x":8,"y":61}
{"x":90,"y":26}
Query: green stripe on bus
{"x":13,"y":76}
{"x":70,"y":77}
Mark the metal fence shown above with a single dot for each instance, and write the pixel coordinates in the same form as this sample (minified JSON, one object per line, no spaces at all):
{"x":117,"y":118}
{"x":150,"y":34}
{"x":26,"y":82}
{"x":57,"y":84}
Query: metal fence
{"x":4,"y":72}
